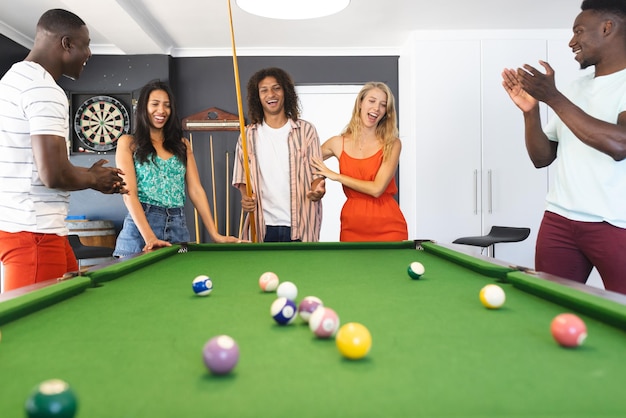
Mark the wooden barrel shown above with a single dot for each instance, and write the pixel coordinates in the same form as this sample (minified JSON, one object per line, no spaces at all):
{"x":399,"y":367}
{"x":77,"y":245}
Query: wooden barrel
{"x":95,"y":233}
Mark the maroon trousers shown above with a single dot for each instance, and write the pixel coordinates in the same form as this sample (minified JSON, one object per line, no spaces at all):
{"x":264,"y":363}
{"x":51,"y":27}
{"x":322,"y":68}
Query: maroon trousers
{"x":570,"y":249}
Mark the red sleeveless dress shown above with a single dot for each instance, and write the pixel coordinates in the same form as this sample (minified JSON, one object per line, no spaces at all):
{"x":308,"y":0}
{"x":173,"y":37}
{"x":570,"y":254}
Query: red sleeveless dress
{"x":368,"y":218}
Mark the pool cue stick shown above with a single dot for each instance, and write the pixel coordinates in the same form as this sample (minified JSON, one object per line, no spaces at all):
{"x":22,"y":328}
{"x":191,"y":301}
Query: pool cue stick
{"x":195,"y":211}
{"x":242,"y":126}
{"x":240,"y":223}
{"x":227,"y":199}
{"x":213,"y":183}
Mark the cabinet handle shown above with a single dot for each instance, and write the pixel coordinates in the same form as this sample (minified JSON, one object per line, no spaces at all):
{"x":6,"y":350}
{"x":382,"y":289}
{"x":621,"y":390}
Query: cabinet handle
{"x":475,"y":192}
{"x":490,"y":180}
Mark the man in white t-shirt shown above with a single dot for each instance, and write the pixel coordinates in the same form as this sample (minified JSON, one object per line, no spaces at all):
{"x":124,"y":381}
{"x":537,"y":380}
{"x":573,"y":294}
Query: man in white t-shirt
{"x":36,"y":175}
{"x":286,"y":195}
{"x":585,"y":220}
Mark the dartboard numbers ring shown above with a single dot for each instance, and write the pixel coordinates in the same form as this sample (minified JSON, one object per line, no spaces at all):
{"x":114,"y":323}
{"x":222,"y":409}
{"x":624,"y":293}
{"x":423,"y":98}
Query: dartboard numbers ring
{"x":100,"y":121}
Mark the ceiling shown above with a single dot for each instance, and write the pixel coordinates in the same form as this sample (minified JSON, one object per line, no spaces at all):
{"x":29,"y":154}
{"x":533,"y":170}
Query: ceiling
{"x":202,"y":27}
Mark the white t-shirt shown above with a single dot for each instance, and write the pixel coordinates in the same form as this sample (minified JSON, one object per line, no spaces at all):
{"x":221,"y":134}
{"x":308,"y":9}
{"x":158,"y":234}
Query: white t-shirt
{"x":31,"y":103}
{"x":589,"y":185}
{"x":272,"y":152}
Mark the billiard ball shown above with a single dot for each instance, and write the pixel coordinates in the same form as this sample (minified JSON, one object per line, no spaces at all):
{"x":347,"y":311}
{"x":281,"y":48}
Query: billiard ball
{"x":353,"y":340}
{"x":52,"y":398}
{"x":220,"y":354}
{"x":416,"y":270}
{"x":568,"y":330}
{"x":307,"y":306}
{"x":202,"y":285}
{"x":287,"y":290}
{"x":324,"y":322}
{"x":268,"y":282}
{"x":492,"y":296}
{"x":284,"y":311}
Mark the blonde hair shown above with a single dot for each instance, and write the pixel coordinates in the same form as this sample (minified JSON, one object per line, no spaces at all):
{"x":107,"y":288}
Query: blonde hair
{"x":387,"y":128}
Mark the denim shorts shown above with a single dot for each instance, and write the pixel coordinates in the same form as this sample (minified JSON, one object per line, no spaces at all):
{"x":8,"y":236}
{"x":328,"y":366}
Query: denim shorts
{"x":168,"y":224}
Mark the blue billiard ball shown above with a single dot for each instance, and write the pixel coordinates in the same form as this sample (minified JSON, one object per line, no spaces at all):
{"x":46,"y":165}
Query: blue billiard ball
{"x":202,"y":285}
{"x":284,"y":311}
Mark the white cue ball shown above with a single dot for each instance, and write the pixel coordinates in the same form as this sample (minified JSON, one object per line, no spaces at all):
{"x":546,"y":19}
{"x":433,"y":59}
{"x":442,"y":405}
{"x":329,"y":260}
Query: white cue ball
{"x":287,"y":290}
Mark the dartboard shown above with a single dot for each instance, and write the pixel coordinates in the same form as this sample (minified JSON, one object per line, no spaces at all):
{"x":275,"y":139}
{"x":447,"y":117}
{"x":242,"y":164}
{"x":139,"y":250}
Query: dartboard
{"x":100,"y":121}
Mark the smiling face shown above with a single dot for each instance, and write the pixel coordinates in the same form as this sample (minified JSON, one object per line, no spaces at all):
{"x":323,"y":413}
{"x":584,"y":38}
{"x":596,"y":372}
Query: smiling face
{"x":78,"y":52}
{"x":272,"y":96}
{"x":588,"y":40}
{"x":158,"y":108}
{"x":373,"y":107}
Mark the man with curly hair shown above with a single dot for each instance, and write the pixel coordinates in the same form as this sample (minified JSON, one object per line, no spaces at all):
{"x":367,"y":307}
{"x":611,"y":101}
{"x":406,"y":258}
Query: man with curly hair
{"x":585,"y":220}
{"x":286,"y":195}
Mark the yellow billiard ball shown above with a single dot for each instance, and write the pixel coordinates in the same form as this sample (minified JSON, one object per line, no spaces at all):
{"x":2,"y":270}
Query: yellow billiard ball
{"x":492,"y":296}
{"x":353,"y":340}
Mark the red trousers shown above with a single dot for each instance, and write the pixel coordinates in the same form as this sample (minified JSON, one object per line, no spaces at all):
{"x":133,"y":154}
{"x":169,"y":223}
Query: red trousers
{"x":30,"y":257}
{"x":570,"y":249}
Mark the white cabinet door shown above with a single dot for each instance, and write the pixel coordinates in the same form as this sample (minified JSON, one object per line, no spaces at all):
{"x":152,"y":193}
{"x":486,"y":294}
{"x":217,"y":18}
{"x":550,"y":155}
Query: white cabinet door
{"x":446,"y":126}
{"x":514,"y":190}
{"x":329,"y":108}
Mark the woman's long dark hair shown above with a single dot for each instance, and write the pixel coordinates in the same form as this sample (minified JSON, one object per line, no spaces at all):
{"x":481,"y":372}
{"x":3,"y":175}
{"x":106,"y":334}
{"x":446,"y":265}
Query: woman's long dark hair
{"x":172,"y":131}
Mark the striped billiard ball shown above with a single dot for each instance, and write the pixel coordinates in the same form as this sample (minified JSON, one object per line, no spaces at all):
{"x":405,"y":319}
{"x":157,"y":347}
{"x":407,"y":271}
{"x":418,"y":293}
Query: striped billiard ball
{"x":202,"y":285}
{"x":52,"y":398}
{"x":284,"y":311}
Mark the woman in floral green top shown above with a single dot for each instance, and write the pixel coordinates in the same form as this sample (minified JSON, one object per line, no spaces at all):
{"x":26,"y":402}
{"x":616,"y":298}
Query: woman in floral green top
{"x":159,"y":165}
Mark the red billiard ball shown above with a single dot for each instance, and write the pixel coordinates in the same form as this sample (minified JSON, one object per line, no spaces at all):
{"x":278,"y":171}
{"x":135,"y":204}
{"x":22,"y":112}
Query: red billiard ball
{"x":324,"y":322}
{"x":52,"y":398}
{"x":220,"y":354}
{"x":568,"y":330}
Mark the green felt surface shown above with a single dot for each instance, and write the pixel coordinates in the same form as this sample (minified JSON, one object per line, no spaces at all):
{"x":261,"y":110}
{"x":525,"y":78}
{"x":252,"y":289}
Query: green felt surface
{"x":131,"y":345}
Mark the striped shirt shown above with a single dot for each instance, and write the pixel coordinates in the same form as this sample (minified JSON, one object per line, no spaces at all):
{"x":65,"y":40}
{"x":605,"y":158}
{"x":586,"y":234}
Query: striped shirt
{"x":306,"y":215}
{"x":31,"y":103}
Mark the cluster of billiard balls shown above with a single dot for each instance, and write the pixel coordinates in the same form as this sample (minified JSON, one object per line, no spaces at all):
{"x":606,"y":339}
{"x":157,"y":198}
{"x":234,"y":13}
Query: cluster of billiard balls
{"x":353,"y":340}
{"x":567,"y":329}
{"x":55,"y":398}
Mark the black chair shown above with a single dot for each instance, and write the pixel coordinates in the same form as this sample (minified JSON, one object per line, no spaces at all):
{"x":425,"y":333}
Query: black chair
{"x":89,"y":254}
{"x":497,"y":235}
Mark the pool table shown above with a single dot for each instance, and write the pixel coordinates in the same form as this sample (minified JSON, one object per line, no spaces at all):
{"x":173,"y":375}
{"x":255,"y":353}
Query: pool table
{"x":128,"y":337}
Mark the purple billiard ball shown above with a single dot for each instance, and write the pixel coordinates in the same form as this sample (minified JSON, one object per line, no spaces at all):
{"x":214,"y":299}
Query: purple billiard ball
{"x":220,"y":354}
{"x":308,"y":305}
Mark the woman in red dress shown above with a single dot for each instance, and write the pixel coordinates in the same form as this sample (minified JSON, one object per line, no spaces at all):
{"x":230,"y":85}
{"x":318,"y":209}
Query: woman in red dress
{"x":368,"y":152}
